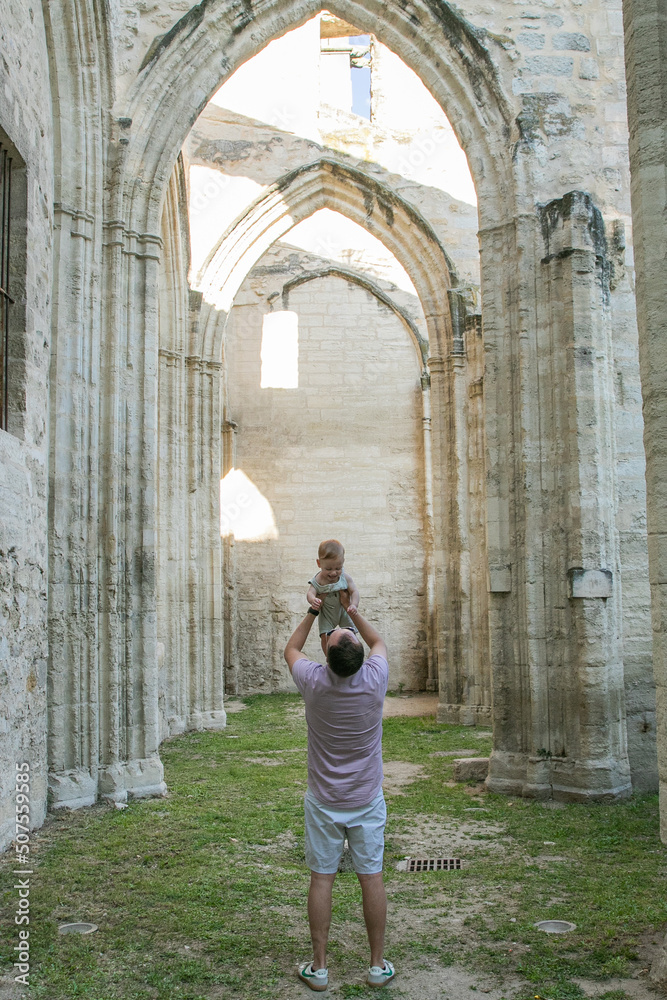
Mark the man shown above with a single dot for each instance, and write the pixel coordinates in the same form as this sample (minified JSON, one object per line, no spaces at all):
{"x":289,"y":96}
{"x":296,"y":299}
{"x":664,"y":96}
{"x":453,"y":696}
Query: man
{"x":344,"y":699}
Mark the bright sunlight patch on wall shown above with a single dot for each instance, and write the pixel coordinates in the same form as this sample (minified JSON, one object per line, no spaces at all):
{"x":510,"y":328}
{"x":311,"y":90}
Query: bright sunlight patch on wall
{"x":280,"y":351}
{"x":245,"y":513}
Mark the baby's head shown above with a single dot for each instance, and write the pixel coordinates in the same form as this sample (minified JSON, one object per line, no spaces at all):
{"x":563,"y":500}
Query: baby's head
{"x":330,"y":559}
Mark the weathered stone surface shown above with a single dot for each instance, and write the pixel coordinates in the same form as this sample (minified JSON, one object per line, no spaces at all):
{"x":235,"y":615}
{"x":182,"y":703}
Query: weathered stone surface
{"x":471,"y":768}
{"x":26,"y":137}
{"x":645,"y":39}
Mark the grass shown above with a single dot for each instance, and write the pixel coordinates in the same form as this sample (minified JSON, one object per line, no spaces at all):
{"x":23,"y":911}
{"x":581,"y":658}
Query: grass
{"x":202,"y":895}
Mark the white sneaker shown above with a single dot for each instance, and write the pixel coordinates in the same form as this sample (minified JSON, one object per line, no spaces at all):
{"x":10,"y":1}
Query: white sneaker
{"x":378,"y":976}
{"x":317,"y":979}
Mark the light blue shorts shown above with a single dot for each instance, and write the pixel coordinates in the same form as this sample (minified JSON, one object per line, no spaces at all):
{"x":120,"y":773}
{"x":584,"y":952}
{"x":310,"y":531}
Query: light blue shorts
{"x":327,"y":828}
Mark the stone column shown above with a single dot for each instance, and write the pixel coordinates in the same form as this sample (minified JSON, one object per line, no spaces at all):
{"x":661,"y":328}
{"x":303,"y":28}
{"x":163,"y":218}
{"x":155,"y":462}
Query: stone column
{"x":646,"y":64}
{"x":76,"y":39}
{"x":446,"y":619}
{"x":583,"y":685}
{"x":129,"y":726}
{"x":172,"y":494}
{"x":504,"y":337}
{"x":480,"y":692}
{"x":173,"y":461}
{"x":432,"y":680}
{"x":205,"y":614}
{"x":559,"y":711}
{"x":456,"y":663}
{"x":189,"y":563}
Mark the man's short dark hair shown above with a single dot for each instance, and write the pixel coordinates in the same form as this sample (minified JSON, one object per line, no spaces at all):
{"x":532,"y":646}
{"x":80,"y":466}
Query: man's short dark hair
{"x":346,"y":657}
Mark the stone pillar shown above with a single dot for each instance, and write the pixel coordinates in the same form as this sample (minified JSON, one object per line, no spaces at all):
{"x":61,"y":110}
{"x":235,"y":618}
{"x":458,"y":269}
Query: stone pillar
{"x":128,"y":672}
{"x":446,"y":623}
{"x":559,"y":711}
{"x":189,"y":587}
{"x":480,"y":691}
{"x":79,"y":73}
{"x":645,"y":48}
{"x":173,"y":455}
{"x":585,"y":726}
{"x":205,"y":612}
{"x":432,"y":679}
{"x":458,"y":696}
{"x":172,"y":492}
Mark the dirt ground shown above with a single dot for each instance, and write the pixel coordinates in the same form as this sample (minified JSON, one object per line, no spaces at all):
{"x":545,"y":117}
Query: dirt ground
{"x":410,"y":704}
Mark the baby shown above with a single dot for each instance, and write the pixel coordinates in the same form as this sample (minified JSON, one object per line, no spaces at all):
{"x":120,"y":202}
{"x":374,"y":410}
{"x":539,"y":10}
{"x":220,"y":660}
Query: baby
{"x":326,"y":587}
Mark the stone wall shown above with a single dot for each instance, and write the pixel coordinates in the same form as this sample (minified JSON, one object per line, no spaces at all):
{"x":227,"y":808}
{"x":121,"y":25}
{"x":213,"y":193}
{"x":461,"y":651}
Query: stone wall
{"x":340,"y":456}
{"x":26,"y":131}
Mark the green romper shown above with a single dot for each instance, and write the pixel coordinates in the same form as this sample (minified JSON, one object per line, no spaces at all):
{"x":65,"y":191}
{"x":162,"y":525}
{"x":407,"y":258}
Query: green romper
{"x":332,"y":612}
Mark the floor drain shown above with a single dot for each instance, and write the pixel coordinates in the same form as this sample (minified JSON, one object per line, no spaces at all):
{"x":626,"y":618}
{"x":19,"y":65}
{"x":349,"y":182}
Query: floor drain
{"x":555,"y":926}
{"x":77,"y":928}
{"x":433,"y":864}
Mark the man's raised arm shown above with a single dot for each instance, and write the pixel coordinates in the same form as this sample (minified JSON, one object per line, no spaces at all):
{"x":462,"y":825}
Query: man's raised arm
{"x":368,"y":633}
{"x":297,"y":640}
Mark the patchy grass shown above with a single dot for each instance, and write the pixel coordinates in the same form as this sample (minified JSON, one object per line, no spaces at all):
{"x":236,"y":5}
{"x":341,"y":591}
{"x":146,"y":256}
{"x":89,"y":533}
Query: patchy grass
{"x":202,"y":895}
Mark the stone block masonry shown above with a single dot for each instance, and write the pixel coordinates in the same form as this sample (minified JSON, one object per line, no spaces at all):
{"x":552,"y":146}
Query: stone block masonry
{"x":313,"y":460}
{"x":25,"y":137}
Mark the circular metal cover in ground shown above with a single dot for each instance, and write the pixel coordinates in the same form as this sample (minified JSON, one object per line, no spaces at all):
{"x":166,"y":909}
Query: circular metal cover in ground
{"x":555,"y":926}
{"x":77,"y":928}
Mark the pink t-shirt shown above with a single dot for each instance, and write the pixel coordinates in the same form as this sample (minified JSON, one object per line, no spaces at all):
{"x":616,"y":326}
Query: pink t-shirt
{"x":344,"y":716}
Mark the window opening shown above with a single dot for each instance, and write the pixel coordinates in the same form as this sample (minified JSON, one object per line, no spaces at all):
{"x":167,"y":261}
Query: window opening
{"x":280,"y":351}
{"x":5,"y":298}
{"x":360,"y":72}
{"x":345,"y":67}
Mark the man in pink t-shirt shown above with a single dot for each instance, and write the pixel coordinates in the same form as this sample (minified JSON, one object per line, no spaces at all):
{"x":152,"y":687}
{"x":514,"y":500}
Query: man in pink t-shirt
{"x":344,"y":699}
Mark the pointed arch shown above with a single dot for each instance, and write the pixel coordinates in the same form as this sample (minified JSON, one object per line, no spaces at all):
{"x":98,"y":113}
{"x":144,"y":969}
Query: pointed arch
{"x":356,"y":278}
{"x":327,"y":183}
{"x":215,"y":37}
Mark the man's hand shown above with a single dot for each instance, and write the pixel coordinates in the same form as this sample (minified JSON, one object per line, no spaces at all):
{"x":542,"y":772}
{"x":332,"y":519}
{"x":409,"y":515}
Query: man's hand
{"x":368,"y":633}
{"x":349,"y":598}
{"x":346,"y":602}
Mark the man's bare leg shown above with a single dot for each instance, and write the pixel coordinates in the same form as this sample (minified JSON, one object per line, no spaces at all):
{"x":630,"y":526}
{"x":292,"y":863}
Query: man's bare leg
{"x":375,"y":913}
{"x":319,"y":915}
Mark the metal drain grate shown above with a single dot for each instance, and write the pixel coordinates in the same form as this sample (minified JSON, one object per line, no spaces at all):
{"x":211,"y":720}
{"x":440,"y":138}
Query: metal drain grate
{"x":433,"y":864}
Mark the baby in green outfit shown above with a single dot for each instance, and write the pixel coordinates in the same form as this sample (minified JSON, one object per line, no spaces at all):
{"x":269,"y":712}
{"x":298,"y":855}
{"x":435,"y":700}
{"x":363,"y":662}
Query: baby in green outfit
{"x":326,"y":587}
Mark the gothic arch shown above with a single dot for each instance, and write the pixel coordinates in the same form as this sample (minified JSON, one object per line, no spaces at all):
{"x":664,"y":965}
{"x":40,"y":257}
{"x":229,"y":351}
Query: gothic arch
{"x":420,"y":344}
{"x":326,"y":183}
{"x":185,"y":68}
